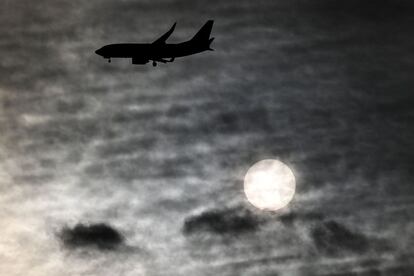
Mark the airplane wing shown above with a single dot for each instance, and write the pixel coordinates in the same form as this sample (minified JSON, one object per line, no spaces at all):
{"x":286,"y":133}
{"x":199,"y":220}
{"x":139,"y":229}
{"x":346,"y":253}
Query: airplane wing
{"x":165,"y":36}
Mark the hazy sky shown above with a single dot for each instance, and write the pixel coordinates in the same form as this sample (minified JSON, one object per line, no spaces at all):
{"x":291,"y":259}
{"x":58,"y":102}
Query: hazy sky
{"x":121,"y":169}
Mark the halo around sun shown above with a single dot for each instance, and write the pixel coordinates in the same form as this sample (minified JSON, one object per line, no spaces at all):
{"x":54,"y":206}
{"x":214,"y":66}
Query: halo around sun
{"x":269,"y":185}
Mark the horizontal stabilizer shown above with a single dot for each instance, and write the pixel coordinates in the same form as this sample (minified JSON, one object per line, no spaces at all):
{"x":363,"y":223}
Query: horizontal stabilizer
{"x":209,"y":43}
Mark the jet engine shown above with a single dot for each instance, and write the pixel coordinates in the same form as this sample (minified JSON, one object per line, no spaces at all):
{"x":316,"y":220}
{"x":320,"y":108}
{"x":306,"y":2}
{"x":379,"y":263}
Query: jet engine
{"x":139,"y":61}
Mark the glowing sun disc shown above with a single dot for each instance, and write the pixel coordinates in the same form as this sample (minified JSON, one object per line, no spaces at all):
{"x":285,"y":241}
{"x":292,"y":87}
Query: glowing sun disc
{"x":269,"y":184}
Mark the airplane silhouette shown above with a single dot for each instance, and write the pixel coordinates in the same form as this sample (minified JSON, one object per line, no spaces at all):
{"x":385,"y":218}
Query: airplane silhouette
{"x":159,"y":50}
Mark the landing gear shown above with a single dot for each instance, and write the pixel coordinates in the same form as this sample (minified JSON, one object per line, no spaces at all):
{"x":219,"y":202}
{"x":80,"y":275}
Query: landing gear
{"x":154,"y":63}
{"x":109,"y":60}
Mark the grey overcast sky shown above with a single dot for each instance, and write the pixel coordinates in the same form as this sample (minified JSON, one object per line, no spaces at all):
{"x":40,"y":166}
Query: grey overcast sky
{"x":116,"y":169}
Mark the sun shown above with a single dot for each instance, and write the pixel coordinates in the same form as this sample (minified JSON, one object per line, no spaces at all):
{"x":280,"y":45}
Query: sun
{"x":269,"y":185}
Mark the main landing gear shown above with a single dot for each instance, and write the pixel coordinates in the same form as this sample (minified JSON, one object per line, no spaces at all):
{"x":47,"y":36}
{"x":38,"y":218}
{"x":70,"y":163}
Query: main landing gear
{"x":154,"y":63}
{"x":109,"y":60}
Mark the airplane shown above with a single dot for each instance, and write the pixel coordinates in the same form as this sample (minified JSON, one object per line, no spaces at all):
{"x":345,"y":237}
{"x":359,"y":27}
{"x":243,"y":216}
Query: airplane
{"x":159,"y":50}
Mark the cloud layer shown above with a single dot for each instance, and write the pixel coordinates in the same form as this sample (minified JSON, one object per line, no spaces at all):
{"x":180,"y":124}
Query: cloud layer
{"x":159,"y":154}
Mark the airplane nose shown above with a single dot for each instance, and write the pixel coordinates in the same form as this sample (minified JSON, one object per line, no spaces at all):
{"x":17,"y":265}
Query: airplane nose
{"x":98,"y":52}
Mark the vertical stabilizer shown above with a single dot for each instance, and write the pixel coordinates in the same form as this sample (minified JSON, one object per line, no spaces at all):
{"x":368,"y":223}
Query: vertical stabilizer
{"x":203,"y":35}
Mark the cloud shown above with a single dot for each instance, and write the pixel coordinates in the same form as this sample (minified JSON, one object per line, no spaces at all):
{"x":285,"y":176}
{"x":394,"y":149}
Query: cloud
{"x":292,"y":217}
{"x":246,"y":119}
{"x":33,"y":178}
{"x":101,"y":236}
{"x":222,"y":222}
{"x":331,"y":238}
{"x":398,"y":270}
{"x":126,"y":146}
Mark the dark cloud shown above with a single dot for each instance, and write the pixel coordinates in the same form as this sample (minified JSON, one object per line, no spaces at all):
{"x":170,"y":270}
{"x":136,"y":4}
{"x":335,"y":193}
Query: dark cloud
{"x":331,"y":238}
{"x":403,"y":270}
{"x":227,"y":221}
{"x":101,"y":236}
{"x":242,"y":120}
{"x":399,"y":271}
{"x":370,"y":272}
{"x":33,"y":179}
{"x":365,"y":8}
{"x":132,"y":168}
{"x":70,"y":106}
{"x":126,"y":146}
{"x":293,"y":217}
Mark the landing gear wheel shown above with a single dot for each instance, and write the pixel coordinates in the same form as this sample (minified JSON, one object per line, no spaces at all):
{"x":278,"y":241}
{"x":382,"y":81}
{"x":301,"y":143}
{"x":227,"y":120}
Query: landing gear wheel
{"x":109,"y":60}
{"x":154,"y":63}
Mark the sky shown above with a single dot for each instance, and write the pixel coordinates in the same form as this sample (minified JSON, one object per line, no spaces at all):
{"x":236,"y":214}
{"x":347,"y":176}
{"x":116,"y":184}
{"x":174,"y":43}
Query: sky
{"x":121,"y":169}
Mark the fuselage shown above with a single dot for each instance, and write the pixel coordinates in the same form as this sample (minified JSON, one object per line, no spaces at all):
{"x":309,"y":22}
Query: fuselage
{"x":150,"y":51}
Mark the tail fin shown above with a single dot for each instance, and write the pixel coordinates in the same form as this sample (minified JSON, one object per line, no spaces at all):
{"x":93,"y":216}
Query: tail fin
{"x":203,"y":35}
